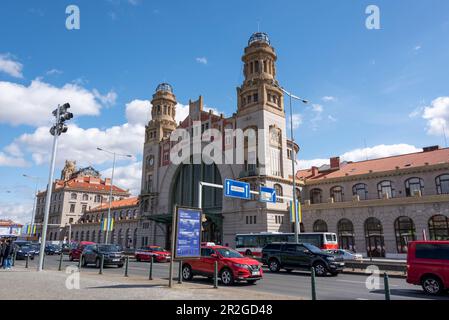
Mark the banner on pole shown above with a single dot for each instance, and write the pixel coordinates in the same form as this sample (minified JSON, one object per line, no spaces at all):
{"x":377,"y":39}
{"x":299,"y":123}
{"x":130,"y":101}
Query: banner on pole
{"x":295,"y":212}
{"x":107,"y":224}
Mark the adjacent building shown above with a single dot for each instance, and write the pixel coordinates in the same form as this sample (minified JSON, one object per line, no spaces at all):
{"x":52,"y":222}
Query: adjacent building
{"x":78,"y":191}
{"x":377,"y":206}
{"x":260,"y":105}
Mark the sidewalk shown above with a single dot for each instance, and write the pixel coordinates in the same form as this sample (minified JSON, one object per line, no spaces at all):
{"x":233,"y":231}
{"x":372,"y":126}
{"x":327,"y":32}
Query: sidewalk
{"x":20,"y":284}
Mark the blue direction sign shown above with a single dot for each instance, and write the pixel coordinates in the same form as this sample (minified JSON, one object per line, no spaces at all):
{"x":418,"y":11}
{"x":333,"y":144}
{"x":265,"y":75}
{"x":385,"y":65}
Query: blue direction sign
{"x":237,"y":189}
{"x":267,"y":194}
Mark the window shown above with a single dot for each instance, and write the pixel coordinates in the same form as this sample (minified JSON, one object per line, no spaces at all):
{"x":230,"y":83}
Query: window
{"x":256,"y":97}
{"x":337,"y":194}
{"x":413,"y":186}
{"x":345,"y":230}
{"x":279,"y":219}
{"x":442,"y":183}
{"x":374,"y":237}
{"x":256,"y":66}
{"x":432,"y":251}
{"x":360,"y":190}
{"x":278,"y":189}
{"x":320,"y":226}
{"x":83,"y":208}
{"x":289,"y":154}
{"x":385,"y":188}
{"x":316,"y":196}
{"x":85,"y":197}
{"x":404,"y":229}
{"x":72,"y":208}
{"x":73,"y":196}
{"x":439,"y":227}
{"x":251,"y":220}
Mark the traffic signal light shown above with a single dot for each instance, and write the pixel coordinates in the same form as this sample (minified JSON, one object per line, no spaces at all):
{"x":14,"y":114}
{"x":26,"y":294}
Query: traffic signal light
{"x":64,"y":115}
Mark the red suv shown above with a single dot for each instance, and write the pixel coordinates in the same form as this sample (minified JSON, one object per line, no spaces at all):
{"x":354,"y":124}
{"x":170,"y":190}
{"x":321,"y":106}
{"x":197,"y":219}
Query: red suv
{"x":76,"y":252}
{"x":159,"y":254}
{"x":232,"y":266}
{"x":428,"y":265}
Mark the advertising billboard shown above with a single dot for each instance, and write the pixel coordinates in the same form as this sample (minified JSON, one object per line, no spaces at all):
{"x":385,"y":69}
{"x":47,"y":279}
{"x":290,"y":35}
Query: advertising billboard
{"x":188,"y":233}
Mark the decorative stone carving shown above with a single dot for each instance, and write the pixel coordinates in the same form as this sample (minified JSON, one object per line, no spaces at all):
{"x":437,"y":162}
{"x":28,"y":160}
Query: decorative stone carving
{"x":69,"y":170}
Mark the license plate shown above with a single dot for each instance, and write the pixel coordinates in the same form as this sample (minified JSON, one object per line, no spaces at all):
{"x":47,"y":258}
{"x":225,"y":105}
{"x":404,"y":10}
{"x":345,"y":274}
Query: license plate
{"x":115,"y":260}
{"x":255,"y":273}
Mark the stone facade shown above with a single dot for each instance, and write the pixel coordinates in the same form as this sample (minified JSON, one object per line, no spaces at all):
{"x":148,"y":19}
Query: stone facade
{"x":260,"y":105}
{"x":419,"y":191}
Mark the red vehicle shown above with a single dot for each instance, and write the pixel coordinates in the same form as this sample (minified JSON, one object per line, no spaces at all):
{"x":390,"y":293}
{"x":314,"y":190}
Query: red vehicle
{"x":232,"y":266}
{"x":159,"y":254}
{"x":76,"y":252}
{"x":428,"y":265}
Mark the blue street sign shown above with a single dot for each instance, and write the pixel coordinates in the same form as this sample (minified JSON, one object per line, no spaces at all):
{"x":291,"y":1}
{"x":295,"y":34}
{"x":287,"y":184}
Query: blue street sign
{"x":267,"y":194}
{"x":237,"y":189}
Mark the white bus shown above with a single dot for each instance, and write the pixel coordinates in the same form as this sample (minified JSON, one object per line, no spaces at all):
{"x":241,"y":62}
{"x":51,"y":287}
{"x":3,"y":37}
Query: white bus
{"x":251,"y":244}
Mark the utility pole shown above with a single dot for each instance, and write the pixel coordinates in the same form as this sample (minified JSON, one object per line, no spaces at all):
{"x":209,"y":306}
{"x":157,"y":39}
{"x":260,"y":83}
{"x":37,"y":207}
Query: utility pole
{"x":61,"y":115}
{"x":33,"y":214}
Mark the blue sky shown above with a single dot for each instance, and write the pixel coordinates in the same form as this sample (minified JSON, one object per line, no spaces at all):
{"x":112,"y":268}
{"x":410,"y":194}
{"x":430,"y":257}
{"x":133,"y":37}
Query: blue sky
{"x":372,"y":92}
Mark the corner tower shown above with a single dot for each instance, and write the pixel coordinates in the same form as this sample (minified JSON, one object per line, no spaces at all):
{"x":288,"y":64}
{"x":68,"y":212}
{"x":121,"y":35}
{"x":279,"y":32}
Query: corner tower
{"x":260,"y":88}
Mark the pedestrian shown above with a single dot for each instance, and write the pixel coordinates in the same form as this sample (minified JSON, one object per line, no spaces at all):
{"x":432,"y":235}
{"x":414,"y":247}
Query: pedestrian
{"x":7,"y":255}
{"x":2,"y":249}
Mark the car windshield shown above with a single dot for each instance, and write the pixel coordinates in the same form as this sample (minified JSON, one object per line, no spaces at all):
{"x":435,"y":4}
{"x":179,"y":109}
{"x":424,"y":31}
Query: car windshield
{"x":155,"y":248}
{"x":108,"y":248}
{"x":25,"y":248}
{"x":228,"y":253}
{"x":312,"y":248}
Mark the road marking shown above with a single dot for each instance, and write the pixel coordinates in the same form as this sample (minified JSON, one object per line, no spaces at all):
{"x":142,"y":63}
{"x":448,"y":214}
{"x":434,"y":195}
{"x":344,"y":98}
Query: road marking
{"x":363,"y":282}
{"x":361,"y":299}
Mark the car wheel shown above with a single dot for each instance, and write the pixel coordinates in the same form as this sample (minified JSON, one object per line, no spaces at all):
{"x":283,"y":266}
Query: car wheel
{"x":320,"y":269}
{"x":187,"y":274}
{"x":83,"y":262}
{"x":274,"y":265}
{"x":289,"y":270}
{"x":432,"y":285}
{"x":120,"y":265}
{"x":70,"y":257}
{"x":97,"y":263}
{"x":334,"y":273}
{"x":248,"y":253}
{"x":138,"y":259}
{"x":252,"y":281}
{"x":226,"y":276}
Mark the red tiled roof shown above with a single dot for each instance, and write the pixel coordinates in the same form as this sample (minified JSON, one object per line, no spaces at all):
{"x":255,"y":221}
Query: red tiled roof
{"x":9,"y":223}
{"x":411,"y":160}
{"x":89,"y":184}
{"x":129,"y":202}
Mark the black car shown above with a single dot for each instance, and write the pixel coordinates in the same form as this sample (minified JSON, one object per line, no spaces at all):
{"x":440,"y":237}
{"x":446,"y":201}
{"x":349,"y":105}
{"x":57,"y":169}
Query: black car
{"x":304,"y":256}
{"x":51,"y":249}
{"x":36,"y":247}
{"x":24,"y":250}
{"x":111,"y":252}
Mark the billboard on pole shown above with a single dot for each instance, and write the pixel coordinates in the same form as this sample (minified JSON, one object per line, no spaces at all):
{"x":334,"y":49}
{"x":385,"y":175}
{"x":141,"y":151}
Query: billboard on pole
{"x":187,"y":233}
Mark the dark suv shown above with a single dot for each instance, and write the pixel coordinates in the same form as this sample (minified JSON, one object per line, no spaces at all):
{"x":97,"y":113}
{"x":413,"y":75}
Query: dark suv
{"x":112,"y":255}
{"x":291,"y":256}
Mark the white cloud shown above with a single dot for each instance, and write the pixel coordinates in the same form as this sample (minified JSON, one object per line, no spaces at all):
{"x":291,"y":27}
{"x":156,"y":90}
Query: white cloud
{"x":417,"y":48}
{"x":297,"y":120}
{"x":331,"y":118}
{"x":318,"y":108}
{"x":361,"y":154}
{"x":437,"y":116}
{"x":16,"y":211}
{"x":11,"y":161}
{"x":127,"y":177}
{"x":53,"y":72}
{"x":202,"y":60}
{"x":138,"y":112}
{"x":9,"y":66}
{"x":329,"y":98}
{"x":33,"y":105}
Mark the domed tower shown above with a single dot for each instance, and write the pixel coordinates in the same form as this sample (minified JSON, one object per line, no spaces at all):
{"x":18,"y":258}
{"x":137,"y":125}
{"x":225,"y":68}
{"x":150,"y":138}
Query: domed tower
{"x":259,"y":89}
{"x":163,"y":114}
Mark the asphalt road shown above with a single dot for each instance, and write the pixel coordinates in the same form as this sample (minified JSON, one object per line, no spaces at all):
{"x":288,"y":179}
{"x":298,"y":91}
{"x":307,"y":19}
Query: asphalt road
{"x":296,"y":283}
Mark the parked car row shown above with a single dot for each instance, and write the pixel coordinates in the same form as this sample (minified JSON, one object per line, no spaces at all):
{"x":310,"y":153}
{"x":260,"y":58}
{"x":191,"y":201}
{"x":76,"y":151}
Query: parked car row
{"x":32,"y":249}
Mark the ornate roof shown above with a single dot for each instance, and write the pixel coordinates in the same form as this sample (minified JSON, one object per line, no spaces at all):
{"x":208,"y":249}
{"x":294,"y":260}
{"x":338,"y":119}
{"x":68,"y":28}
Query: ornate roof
{"x":259,"y":37}
{"x":164,"y":87}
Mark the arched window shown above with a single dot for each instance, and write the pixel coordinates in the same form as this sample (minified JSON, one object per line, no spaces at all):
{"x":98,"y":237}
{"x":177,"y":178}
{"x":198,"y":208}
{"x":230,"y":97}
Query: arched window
{"x":337,"y":193}
{"x":85,"y":197}
{"x":99,"y":236}
{"x":439,"y":227}
{"x":360,"y":190}
{"x":298,"y":194}
{"x":73,"y":196}
{"x":93,"y":236}
{"x":320,"y":226}
{"x":135,"y":238}
{"x":278,"y":189}
{"x":82,"y":236}
{"x":442,"y":183}
{"x":385,"y":189}
{"x":374,"y":236}
{"x":77,"y":236}
{"x":345,"y":230}
{"x":120,"y":238}
{"x":316,"y":196}
{"x":128,"y":238}
{"x":275,"y":151}
{"x":51,"y":236}
{"x":87,"y":235}
{"x":413,"y":186}
{"x":405,"y":231}
{"x":113,"y":237}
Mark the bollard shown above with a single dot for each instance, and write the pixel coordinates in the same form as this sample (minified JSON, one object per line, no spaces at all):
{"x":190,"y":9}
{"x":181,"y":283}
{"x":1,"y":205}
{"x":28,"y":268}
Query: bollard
{"x":150,"y":276}
{"x":14,"y":258}
{"x":81,"y":260}
{"x":27,"y":260}
{"x":386,"y":287}
{"x":60,"y":261}
{"x":101,"y":264}
{"x":180,"y":272}
{"x":43,"y":261}
{"x":216,"y":275}
{"x":126,"y":266}
{"x":313,"y":284}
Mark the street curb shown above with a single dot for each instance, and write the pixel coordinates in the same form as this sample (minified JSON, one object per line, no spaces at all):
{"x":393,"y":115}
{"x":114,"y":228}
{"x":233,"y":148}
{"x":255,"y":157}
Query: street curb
{"x":361,"y":273}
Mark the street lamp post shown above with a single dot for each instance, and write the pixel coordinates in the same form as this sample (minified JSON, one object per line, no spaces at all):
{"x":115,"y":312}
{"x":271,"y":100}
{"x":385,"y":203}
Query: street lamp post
{"x":33,"y":214}
{"x":291,"y":96}
{"x":114,"y":154}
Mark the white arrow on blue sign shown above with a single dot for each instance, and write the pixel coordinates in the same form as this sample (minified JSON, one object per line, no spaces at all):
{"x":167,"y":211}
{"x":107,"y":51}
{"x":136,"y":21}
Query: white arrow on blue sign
{"x":237,"y":189}
{"x":267,"y":194}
